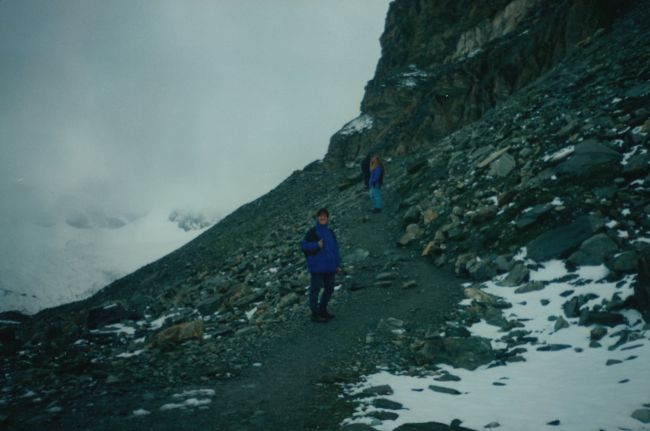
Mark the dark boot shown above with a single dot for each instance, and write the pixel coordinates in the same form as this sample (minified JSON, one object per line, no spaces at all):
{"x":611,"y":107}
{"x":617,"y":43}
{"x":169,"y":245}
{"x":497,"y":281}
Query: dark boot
{"x":326,"y":314}
{"x":317,"y":317}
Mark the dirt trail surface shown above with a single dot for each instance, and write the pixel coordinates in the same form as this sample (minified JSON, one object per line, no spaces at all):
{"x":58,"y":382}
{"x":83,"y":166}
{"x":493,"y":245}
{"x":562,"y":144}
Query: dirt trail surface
{"x":292,"y":383}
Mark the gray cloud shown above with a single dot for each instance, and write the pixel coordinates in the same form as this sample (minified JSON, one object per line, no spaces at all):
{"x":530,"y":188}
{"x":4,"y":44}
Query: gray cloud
{"x":114,"y":110}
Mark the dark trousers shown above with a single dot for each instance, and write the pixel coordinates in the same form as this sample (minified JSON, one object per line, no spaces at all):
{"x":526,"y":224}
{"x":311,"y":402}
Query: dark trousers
{"x":320,"y":281}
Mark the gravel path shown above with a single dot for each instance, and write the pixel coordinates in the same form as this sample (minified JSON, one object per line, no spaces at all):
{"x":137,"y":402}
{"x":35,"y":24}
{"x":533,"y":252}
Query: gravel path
{"x":293,"y":380}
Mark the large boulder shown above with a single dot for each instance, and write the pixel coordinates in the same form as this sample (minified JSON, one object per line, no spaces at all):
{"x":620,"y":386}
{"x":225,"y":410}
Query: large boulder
{"x":594,"y":250}
{"x":590,"y":157}
{"x":562,"y":241}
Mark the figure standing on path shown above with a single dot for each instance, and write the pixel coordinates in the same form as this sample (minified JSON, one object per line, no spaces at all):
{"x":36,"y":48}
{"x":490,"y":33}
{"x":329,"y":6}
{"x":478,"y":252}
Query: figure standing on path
{"x":375,"y":183}
{"x":365,"y":171}
{"x":323,"y":262}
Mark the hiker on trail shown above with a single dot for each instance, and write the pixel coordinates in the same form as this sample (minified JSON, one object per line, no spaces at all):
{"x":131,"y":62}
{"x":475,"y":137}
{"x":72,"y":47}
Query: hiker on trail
{"x":365,"y":170}
{"x":375,"y":182}
{"x":323,"y":262}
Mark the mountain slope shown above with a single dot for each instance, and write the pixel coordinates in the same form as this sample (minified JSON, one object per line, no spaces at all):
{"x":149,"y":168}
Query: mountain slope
{"x":560,"y":166}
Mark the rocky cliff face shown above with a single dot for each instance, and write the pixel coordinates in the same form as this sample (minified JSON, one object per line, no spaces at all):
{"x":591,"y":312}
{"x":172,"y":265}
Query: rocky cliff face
{"x":445,"y":63}
{"x":520,"y":130}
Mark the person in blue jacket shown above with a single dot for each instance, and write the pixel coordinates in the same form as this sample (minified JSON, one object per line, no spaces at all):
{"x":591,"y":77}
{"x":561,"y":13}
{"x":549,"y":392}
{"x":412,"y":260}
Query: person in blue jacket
{"x":375,"y":182}
{"x":323,"y":262}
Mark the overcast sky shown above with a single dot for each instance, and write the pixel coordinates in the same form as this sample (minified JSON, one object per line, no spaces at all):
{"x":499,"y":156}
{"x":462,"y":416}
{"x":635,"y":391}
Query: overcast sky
{"x":131,"y":109}
{"x":128,"y":104}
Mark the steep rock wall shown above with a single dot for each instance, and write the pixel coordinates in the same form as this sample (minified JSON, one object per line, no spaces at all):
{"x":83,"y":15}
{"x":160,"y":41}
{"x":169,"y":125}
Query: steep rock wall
{"x":445,"y":63}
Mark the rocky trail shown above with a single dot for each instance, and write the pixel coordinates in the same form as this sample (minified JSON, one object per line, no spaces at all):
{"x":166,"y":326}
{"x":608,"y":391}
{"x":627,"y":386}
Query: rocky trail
{"x":293,"y":380}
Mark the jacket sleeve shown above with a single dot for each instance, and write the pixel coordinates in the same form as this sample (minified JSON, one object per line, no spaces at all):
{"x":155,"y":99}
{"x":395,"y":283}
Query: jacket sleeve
{"x":375,"y":175}
{"x":310,"y":242}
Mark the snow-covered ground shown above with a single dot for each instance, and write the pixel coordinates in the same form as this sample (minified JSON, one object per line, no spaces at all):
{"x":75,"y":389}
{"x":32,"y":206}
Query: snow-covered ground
{"x":577,"y":388}
{"x":46,"y":265}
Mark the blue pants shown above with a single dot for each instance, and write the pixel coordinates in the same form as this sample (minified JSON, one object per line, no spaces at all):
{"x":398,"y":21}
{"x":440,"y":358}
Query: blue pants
{"x":375,"y":197}
{"x":318,"y":281}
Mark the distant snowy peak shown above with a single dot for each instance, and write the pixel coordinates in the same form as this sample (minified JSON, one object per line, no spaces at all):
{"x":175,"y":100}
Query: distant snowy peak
{"x":189,"y":221}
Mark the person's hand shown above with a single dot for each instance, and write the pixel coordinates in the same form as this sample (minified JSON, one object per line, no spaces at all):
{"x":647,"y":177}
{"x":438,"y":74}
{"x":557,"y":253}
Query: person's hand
{"x":320,"y":243}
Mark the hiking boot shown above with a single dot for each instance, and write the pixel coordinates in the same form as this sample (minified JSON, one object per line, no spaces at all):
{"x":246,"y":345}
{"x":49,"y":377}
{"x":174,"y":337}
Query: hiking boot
{"x":316,"y":317}
{"x":326,"y":315}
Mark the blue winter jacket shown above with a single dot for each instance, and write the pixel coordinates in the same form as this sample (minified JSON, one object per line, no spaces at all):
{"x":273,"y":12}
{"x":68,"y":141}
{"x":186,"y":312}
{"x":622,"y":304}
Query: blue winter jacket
{"x":321,"y":260}
{"x":376,"y":177}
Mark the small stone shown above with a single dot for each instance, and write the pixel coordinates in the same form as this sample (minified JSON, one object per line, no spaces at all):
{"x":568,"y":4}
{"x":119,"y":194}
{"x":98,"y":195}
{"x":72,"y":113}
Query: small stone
{"x":553,"y":347}
{"x":561,"y":323}
{"x":530,"y":287}
{"x":409,"y":284}
{"x":554,"y":423}
{"x":383,"y":403}
{"x":377,"y":390}
{"x":517,"y":275}
{"x":383,"y":415}
{"x":444,"y":390}
{"x":598,"y":333}
{"x":642,"y":415}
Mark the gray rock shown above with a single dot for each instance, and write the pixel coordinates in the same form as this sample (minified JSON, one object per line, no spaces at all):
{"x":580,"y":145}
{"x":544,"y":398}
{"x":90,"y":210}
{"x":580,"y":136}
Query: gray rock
{"x":638,"y":91}
{"x":559,"y":242}
{"x":481,"y":269}
{"x":377,"y":390}
{"x":502,"y":166}
{"x":210,"y":305}
{"x":412,"y":232}
{"x":597,"y":333}
{"x":444,"y":390}
{"x":535,"y":214}
{"x":553,"y":347}
{"x":571,"y":308}
{"x":383,"y":415}
{"x":623,"y":262}
{"x":357,"y":427}
{"x":603,"y":318}
{"x":383,"y":403}
{"x":642,"y":415}
{"x":589,"y":157}
{"x":517,"y":275}
{"x":561,"y":323}
{"x":409,"y":284}
{"x":432,"y":426}
{"x":606,"y":192}
{"x":636,"y":165}
{"x":384,"y":276}
{"x":504,"y":263}
{"x":594,"y":250}
{"x":530,"y":287}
